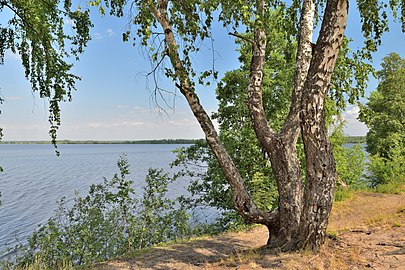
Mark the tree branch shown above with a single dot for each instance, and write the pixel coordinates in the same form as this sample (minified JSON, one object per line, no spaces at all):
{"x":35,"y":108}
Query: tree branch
{"x":22,"y":17}
{"x":304,"y":55}
{"x":255,"y":96}
{"x":241,"y":37}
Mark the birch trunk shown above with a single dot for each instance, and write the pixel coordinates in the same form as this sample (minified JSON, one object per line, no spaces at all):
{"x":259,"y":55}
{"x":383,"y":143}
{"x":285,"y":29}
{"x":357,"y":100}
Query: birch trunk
{"x":282,"y":146}
{"x":321,"y":168}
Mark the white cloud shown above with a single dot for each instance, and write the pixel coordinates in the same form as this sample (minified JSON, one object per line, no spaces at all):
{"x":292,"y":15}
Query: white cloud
{"x":11,"y":98}
{"x":69,"y":22}
{"x":110,"y":32}
{"x":353,"y":126}
{"x":354,"y":111}
{"x":121,"y":106}
{"x":182,"y":122}
{"x":97,"y":36}
{"x":116,"y":124}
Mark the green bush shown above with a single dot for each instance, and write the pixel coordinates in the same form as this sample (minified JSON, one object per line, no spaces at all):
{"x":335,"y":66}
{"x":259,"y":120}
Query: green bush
{"x":349,"y":164}
{"x":342,"y":194}
{"x":387,"y":171}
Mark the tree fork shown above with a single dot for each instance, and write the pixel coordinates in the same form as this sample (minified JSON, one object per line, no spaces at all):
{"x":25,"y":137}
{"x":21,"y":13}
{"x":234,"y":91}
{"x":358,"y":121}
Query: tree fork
{"x":280,"y":146}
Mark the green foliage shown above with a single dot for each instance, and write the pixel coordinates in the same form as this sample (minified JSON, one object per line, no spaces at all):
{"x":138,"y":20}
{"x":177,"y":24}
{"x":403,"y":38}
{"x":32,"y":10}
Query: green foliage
{"x":393,"y":187}
{"x":238,"y":136}
{"x":349,"y":161}
{"x":350,"y":76}
{"x":342,"y":194}
{"x":110,"y":221}
{"x":387,"y":171}
{"x":384,"y":114}
{"x":36,"y":31}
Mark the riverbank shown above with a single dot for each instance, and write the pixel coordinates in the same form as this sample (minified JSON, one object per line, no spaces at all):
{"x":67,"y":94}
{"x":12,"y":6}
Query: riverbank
{"x":366,"y":231}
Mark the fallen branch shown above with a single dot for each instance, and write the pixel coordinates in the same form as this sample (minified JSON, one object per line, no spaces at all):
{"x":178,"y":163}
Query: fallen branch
{"x":398,"y":245}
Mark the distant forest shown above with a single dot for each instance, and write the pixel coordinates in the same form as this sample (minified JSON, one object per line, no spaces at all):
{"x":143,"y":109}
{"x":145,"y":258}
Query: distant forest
{"x":348,"y":139}
{"x":162,"y":141}
{"x":355,"y":139}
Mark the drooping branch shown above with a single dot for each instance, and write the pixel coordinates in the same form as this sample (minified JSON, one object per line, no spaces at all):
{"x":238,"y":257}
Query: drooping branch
{"x":22,"y":17}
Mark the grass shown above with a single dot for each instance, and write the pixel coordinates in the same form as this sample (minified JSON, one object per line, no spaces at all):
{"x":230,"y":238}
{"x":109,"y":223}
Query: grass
{"x":395,"y":187}
{"x":241,"y":257}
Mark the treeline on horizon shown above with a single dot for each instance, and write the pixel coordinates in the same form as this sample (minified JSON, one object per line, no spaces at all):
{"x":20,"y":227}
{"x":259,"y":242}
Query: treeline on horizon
{"x":348,"y":139}
{"x":161,"y":141}
{"x":355,"y":139}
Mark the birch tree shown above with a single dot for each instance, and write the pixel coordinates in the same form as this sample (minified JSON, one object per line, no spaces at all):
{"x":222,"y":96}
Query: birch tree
{"x":172,"y":30}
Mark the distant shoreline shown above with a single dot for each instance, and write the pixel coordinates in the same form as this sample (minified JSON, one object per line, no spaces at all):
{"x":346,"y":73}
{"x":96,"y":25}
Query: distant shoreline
{"x":162,"y":141}
{"x":355,"y":139}
{"x":348,"y":139}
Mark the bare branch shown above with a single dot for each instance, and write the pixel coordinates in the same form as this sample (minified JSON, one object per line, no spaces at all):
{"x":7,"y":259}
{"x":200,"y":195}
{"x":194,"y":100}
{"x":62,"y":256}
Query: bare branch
{"x":241,"y":37}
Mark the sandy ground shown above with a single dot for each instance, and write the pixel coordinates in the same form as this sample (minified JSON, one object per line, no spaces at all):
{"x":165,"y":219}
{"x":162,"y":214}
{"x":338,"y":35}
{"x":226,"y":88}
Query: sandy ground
{"x":368,"y":233}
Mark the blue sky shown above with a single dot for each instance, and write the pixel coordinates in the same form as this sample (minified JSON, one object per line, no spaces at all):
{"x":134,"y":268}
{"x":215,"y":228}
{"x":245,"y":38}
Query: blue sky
{"x":113,"y":98}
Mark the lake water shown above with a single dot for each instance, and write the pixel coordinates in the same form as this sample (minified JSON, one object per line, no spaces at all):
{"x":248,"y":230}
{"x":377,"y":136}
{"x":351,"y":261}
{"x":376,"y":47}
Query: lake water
{"x":34,"y":178}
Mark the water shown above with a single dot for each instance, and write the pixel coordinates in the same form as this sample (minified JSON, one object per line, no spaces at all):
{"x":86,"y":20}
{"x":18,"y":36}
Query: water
{"x":34,"y":179}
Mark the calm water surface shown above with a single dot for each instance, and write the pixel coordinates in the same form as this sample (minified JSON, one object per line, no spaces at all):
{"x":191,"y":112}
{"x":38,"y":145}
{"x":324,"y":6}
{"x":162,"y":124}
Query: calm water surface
{"x":34,"y":179}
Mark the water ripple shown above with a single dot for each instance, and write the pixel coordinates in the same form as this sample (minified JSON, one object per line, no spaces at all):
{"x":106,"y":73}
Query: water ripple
{"x":35,"y":179}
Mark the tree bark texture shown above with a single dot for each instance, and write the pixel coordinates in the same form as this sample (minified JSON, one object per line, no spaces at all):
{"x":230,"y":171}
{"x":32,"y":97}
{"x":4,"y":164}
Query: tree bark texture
{"x":311,"y":82}
{"x":303,"y":61}
{"x":321,"y":168}
{"x":284,"y":162}
{"x":282,"y":146}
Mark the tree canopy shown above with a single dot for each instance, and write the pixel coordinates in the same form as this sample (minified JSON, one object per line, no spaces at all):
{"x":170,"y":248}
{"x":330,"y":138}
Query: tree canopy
{"x":172,"y":32}
{"x":384,"y":114}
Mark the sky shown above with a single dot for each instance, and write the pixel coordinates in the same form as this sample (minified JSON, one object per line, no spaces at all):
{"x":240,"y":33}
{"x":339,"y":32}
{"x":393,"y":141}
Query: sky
{"x":113,"y":100}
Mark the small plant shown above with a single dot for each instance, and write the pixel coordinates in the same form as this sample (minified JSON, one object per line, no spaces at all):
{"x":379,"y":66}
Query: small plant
{"x":333,"y":234}
{"x":396,"y":224}
{"x":342,"y":194}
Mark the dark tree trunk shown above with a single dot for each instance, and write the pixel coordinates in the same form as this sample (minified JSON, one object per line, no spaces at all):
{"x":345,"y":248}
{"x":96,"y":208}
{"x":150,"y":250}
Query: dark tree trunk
{"x":287,"y":172}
